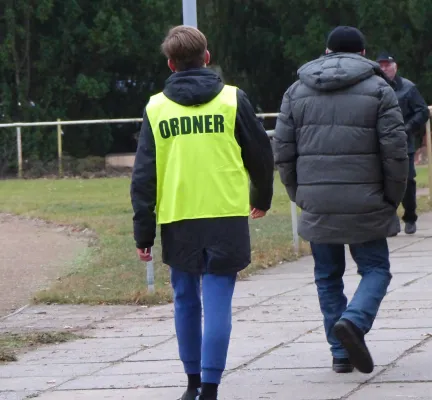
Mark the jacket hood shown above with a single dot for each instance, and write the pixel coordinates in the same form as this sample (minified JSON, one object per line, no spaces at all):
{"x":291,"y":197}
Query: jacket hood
{"x":338,"y":70}
{"x":193,"y":87}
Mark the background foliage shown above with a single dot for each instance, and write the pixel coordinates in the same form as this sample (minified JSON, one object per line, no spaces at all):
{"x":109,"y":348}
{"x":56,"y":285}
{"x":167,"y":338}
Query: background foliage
{"x":78,"y":59}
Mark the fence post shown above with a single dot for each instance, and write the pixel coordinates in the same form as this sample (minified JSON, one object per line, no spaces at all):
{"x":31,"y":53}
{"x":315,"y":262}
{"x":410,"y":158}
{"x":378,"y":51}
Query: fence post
{"x":150,"y":275}
{"x":429,"y":155}
{"x":19,"y":152}
{"x":59,"y":149}
{"x":294,"y":223}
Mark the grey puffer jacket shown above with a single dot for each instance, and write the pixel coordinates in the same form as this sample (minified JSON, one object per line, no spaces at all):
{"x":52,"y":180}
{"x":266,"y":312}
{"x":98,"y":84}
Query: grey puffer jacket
{"x":341,"y":150}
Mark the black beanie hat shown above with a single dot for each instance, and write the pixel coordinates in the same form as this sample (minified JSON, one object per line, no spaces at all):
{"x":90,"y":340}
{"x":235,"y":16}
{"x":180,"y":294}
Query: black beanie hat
{"x":346,"y":39}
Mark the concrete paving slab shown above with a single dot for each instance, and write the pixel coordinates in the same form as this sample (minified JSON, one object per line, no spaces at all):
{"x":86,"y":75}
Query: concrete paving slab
{"x":280,"y":331}
{"x":115,"y":343}
{"x":407,"y":257}
{"x":407,"y":267}
{"x":394,"y":391}
{"x":126,"y":381}
{"x":391,"y":304}
{"x":402,"y":241}
{"x":278,"y":314}
{"x":30,"y":383}
{"x":249,"y":301}
{"x":127,"y":394}
{"x":317,"y":355}
{"x":138,"y":368}
{"x":414,"y":367}
{"x":280,"y":377}
{"x":83,"y":355}
{"x":375,"y":335}
{"x":402,"y":314}
{"x":129,"y":328}
{"x":157,"y":312}
{"x":422,"y":245}
{"x":303,"y":265}
{"x":21,"y":370}
{"x":165,"y":351}
{"x":286,"y":274}
{"x":295,"y":391}
{"x":17,"y":395}
{"x":404,"y":323}
{"x":57,"y":318}
{"x":405,"y":294}
{"x":423,"y":283}
{"x":308,"y":301}
{"x":268,"y":287}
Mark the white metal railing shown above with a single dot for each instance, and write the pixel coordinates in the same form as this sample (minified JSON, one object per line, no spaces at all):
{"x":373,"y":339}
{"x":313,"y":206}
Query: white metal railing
{"x":59,"y":123}
{"x":150,"y":272}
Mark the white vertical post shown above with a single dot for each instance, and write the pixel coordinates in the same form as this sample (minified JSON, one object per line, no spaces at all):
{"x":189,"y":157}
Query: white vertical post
{"x":150,"y":275}
{"x":294,"y":223}
{"x":429,"y":154}
{"x":190,"y":13}
{"x":19,"y":152}
{"x":59,"y":149}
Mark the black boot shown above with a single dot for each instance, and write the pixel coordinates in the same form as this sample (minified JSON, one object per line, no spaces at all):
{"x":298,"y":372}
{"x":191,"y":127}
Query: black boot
{"x":352,"y":340}
{"x":190,"y":394}
{"x":342,"y":365}
{"x":410,"y":228}
{"x":209,"y":391}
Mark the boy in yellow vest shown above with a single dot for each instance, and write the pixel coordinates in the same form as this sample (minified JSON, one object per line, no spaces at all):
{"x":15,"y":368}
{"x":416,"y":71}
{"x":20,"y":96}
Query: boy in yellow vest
{"x":199,"y":145}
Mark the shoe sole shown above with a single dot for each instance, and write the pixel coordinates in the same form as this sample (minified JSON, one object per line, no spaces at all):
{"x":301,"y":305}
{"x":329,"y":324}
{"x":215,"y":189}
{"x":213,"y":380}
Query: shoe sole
{"x":343,"y":369}
{"x":358,"y":352}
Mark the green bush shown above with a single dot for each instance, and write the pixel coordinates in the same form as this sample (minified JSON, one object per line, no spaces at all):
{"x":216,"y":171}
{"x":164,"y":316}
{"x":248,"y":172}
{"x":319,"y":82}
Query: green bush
{"x":90,"y":164}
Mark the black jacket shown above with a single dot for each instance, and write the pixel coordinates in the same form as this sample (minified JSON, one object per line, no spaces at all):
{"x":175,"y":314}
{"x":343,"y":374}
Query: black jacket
{"x":414,"y":109}
{"x":216,"y":245}
{"x":340,"y":148}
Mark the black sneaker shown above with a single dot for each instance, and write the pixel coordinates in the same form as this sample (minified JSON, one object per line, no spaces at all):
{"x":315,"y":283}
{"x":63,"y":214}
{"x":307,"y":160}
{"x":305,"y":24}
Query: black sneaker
{"x":190,"y":394}
{"x":410,"y":228}
{"x":342,"y":366}
{"x":352,"y":340}
{"x":205,"y":398}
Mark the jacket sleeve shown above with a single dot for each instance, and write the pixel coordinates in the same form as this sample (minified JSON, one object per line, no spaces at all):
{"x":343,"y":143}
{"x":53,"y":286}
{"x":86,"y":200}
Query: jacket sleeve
{"x":143,"y":188}
{"x":419,"y":111}
{"x":285,"y":147}
{"x":393,"y":146}
{"x":256,"y":153}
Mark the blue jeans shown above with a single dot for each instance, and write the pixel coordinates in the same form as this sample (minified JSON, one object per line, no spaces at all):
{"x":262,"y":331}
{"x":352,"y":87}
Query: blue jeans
{"x":373,"y":263}
{"x":203,"y":352}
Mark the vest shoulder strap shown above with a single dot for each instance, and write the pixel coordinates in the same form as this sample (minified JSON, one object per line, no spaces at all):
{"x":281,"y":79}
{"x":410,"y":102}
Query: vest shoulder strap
{"x":228,"y":93}
{"x":156,"y":100}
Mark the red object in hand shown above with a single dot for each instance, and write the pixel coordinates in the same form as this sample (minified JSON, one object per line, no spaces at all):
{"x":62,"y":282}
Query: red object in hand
{"x":145,"y":254}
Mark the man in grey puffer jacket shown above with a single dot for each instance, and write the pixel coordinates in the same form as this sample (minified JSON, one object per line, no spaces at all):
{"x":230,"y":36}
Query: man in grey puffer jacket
{"x":340,"y":148}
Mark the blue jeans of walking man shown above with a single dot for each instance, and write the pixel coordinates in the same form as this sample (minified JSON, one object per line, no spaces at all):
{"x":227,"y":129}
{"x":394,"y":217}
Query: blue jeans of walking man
{"x":372,"y":259}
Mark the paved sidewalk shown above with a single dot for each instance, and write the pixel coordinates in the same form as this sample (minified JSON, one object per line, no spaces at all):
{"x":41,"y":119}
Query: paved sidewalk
{"x":278,"y":349}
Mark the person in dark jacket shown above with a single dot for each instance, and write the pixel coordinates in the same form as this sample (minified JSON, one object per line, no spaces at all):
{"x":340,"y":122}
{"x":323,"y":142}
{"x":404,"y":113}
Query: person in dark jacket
{"x":416,"y":113}
{"x":199,"y":145}
{"x":340,"y":148}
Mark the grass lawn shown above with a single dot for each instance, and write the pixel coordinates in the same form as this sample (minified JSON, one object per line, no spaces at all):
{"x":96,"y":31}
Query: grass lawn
{"x":422,"y":176}
{"x":109,"y":272}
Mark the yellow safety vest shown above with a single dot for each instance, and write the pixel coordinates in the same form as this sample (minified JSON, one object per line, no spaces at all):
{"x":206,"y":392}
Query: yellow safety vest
{"x":200,"y":171}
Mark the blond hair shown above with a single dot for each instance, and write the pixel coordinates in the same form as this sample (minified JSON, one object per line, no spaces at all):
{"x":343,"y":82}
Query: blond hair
{"x":186,"y":47}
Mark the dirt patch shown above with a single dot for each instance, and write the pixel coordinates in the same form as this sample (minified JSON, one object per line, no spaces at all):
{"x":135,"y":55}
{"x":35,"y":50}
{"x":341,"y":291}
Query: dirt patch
{"x":32,"y":255}
{"x":12,"y":343}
